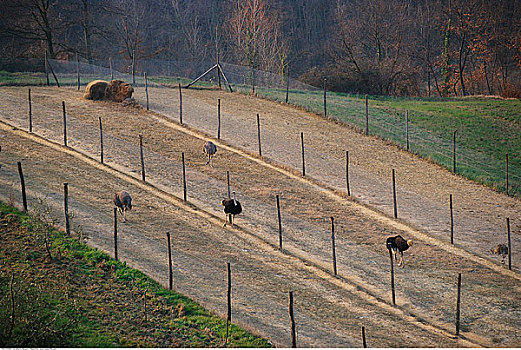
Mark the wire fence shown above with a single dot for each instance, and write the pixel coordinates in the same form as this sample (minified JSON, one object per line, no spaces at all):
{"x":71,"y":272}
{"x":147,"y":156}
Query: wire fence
{"x":309,"y":238}
{"x":208,"y":191}
{"x":470,"y":162}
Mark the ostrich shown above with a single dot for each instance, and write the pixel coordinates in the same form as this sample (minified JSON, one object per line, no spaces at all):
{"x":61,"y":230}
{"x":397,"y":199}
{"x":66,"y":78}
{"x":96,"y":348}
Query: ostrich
{"x":398,"y":244}
{"x":501,"y":249}
{"x":232,"y":207}
{"x":210,"y":149}
{"x":123,"y":202}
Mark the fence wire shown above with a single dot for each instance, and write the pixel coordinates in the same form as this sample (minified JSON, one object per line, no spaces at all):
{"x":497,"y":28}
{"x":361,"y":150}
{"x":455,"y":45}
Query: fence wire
{"x":208,"y":191}
{"x":350,"y":109}
{"x":309,"y":238}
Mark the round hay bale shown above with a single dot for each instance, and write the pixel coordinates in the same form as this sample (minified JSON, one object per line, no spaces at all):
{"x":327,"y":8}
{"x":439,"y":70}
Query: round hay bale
{"x":118,"y":91}
{"x":95,"y":90}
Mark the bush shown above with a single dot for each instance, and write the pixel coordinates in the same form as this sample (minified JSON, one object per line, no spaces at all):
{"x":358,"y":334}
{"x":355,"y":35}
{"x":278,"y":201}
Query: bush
{"x":511,"y":91}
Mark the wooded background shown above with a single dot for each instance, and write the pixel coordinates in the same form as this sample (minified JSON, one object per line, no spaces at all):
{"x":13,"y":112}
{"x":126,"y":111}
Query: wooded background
{"x":391,"y":47}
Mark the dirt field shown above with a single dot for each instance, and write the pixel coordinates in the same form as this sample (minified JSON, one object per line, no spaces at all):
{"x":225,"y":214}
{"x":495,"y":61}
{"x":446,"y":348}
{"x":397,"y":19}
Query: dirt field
{"x":330,"y":311}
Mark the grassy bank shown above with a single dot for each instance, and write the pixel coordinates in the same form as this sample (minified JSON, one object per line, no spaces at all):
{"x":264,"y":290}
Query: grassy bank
{"x":64,"y":294}
{"x":487,"y":128}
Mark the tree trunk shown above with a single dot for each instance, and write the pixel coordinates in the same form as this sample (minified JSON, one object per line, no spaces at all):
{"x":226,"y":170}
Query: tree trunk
{"x":86,"y":31}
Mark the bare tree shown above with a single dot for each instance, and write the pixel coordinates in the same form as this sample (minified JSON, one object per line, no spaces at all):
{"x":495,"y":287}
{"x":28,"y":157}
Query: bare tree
{"x":32,"y":20}
{"x":256,"y":36}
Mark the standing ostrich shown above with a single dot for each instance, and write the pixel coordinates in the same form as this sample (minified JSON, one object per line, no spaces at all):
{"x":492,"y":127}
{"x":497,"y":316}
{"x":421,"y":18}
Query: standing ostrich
{"x":398,"y":244}
{"x":123,"y":202}
{"x":501,"y":249}
{"x":210,"y":149}
{"x":232,"y":207}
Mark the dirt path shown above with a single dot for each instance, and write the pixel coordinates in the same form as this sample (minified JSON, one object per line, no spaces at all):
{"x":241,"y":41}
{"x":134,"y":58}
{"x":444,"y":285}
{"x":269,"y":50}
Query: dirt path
{"x":423,"y":188}
{"x":425,"y":285}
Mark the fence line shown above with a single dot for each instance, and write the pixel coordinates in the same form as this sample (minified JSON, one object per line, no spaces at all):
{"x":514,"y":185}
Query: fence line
{"x":82,"y":127}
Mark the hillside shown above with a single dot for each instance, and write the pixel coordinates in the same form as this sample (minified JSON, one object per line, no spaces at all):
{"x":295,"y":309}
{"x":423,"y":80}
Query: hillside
{"x":329,"y":309}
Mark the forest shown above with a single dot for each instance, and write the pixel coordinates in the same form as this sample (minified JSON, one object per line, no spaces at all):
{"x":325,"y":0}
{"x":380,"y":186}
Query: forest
{"x":394,"y":47}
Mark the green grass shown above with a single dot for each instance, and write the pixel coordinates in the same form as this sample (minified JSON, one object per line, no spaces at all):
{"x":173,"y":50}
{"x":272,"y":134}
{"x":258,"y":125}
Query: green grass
{"x":487,"y":128}
{"x":82,"y":298}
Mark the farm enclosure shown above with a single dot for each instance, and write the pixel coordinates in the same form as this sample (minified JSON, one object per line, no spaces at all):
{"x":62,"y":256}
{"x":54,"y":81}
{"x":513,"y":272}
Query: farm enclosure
{"x":426,"y":281}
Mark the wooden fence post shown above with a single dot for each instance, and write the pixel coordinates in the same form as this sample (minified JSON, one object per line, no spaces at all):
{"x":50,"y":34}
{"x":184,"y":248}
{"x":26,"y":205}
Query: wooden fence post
{"x":454,"y":152}
{"x":146,"y":88}
{"x":145,"y":304}
{"x":170,"y":270}
{"x":303,"y":160}
{"x":287,"y":86}
{"x":64,"y":125}
{"x":292,"y":319}
{"x":229,"y":300}
{"x":363,"y":337}
{"x":218,"y":119}
{"x":101,"y":139}
{"x":506,"y":173}
{"x":394,"y":197}
{"x":392,"y":277}
{"x":116,"y":233}
{"x":184,"y":175}
{"x":22,"y":182}
{"x":259,"y":134}
{"x":180,"y":105}
{"x":366,"y":116}
{"x":253,"y":81}
{"x":78,"y":70}
{"x":451,"y":220}
{"x":217,"y":69}
{"x":66,"y":207}
{"x":30,"y":113}
{"x":509,"y":245}
{"x":53,"y":74}
{"x":407,"y":127}
{"x":142,"y":158}
{"x":333,"y":245}
{"x":325,"y":102}
{"x":111,"y":71}
{"x":347,"y":174}
{"x":458,"y":303}
{"x":133,"y":67}
{"x":280,"y":223}
{"x":46,"y":69}
{"x":228,"y":182}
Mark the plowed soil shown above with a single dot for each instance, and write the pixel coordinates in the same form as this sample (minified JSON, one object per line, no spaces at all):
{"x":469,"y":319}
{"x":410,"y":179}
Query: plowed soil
{"x":329,"y":310}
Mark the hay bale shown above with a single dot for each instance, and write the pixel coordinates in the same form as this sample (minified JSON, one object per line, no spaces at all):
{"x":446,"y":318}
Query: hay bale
{"x":118,"y":91}
{"x":95,"y":90}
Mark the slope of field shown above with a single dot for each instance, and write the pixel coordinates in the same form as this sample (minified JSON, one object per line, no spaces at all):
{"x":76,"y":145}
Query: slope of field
{"x":423,"y":188}
{"x":76,"y":296}
{"x":487,"y":128}
{"x":330,"y":306}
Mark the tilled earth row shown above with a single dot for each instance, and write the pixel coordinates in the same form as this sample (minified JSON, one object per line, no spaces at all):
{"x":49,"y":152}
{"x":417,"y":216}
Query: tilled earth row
{"x":426,"y":286}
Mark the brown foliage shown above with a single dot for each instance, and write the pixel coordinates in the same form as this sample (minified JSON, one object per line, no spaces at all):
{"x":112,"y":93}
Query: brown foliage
{"x":511,"y":91}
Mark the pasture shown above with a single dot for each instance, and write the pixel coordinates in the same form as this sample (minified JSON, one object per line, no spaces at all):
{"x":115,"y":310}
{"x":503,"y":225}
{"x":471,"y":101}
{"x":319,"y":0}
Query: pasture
{"x":324,"y":302}
{"x":487,"y":127}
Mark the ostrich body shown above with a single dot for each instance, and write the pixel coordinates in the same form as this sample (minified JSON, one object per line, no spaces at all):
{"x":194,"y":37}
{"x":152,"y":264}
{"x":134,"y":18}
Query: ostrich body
{"x":210,"y":149}
{"x":398,"y":244}
{"x":232,"y":207}
{"x":123,"y":202}
{"x":501,"y":249}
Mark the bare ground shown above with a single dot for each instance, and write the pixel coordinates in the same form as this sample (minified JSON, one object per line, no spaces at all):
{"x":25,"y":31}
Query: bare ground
{"x":332,"y":310}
